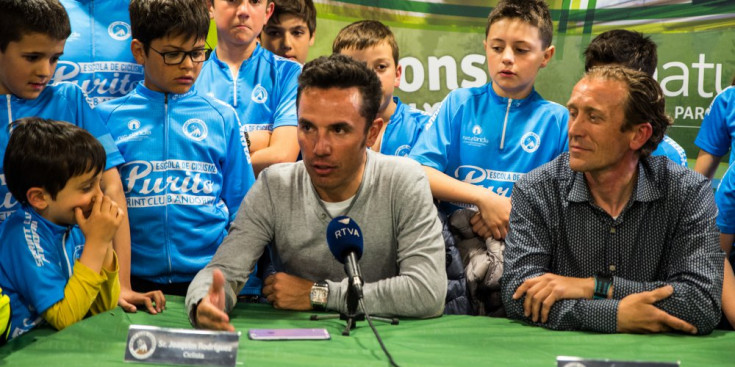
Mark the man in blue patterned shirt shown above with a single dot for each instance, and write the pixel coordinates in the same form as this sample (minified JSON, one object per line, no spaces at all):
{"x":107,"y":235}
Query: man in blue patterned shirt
{"x":607,"y":238}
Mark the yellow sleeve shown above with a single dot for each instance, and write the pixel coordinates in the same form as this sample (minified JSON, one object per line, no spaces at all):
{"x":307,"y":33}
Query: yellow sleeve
{"x":4,"y":317}
{"x":80,"y":292}
{"x":109,"y":290}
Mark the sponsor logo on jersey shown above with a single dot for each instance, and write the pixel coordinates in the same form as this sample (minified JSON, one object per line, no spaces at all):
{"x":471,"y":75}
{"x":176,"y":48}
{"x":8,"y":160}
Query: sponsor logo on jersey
{"x":195,"y":129}
{"x":403,"y":150}
{"x":133,"y":124}
{"x":185,"y":183}
{"x":33,"y":241}
{"x":260,"y":95}
{"x":476,"y":139}
{"x":488,"y":178}
{"x":119,"y":30}
{"x":530,"y":142}
{"x":102,"y":80}
{"x":8,"y":203}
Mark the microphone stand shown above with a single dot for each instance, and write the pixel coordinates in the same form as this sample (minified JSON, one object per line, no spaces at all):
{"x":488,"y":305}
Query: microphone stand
{"x":354,"y":298}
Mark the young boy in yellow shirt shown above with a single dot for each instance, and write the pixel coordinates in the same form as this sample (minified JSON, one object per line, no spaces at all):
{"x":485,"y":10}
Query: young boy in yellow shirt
{"x":56,"y":258}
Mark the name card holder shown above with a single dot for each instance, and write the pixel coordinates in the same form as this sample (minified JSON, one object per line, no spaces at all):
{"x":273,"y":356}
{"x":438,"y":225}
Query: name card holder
{"x":151,"y":344}
{"x":563,"y":361}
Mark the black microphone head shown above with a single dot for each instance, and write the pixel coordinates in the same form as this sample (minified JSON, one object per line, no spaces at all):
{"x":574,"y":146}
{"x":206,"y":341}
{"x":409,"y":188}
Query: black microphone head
{"x":344,"y":236}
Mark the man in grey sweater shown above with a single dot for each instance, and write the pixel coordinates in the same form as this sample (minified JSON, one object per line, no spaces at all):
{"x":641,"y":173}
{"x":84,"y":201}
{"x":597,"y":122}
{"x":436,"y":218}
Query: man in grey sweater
{"x":289,"y":207}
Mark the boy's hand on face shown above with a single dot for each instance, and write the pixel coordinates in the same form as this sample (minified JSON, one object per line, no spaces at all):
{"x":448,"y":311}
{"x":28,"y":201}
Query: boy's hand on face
{"x":102,"y":223}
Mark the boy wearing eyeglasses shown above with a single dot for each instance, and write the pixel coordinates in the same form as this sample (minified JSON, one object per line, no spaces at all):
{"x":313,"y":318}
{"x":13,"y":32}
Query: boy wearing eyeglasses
{"x":187,"y":166}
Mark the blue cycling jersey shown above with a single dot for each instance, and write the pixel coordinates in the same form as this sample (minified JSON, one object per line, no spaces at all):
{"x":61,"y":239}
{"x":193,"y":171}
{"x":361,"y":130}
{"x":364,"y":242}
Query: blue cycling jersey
{"x":672,"y":150}
{"x":482,"y":138}
{"x":725,"y":199}
{"x":264,"y":92}
{"x":403,"y":129}
{"x":36,"y":261}
{"x":64,"y":102}
{"x":717,"y":133}
{"x":187,"y":170}
{"x":97,"y":55}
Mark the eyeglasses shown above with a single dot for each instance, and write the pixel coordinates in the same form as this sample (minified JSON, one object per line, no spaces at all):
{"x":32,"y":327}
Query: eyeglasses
{"x":177,"y":57}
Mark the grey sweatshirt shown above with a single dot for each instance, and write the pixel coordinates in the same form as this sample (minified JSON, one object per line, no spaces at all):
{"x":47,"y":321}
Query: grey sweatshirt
{"x":403,"y":262}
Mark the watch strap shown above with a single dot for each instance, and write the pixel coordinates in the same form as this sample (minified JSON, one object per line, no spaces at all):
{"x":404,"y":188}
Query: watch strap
{"x":603,"y":282}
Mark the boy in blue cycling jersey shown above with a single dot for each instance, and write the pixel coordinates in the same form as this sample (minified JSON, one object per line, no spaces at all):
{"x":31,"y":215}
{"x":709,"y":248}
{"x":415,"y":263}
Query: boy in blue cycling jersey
{"x":57,"y":263}
{"x":290,"y":30}
{"x":258,"y":84}
{"x":373,"y":43}
{"x":32,"y":38}
{"x":481,"y":140}
{"x":187,"y":166}
{"x":97,"y":55}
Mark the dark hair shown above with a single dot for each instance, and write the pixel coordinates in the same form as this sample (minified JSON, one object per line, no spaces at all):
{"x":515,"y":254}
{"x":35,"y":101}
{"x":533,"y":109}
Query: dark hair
{"x":533,"y":12}
{"x":153,"y":19}
{"x":645,"y":101}
{"x":626,"y":48}
{"x":340,"y":71}
{"x":303,"y":9}
{"x":47,"y":154}
{"x":21,"y":17}
{"x":363,"y":34}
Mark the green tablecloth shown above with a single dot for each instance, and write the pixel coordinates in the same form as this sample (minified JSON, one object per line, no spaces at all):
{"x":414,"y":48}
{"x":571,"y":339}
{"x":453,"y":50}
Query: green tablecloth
{"x":446,"y":341}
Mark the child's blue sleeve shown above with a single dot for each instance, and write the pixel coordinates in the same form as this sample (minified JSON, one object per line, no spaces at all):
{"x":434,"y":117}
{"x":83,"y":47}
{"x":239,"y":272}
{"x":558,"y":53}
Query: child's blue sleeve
{"x":237,"y":171}
{"x":37,"y":275}
{"x":285,"y":113}
{"x":91,"y":121}
{"x":564,"y":136}
{"x":434,"y":144}
{"x":714,"y":136}
{"x":725,"y":199}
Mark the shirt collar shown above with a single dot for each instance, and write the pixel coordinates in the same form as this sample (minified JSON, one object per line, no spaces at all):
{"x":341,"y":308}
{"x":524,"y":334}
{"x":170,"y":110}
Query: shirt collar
{"x":222,"y":65}
{"x":159,"y":96}
{"x":645,"y":189}
{"x":516,"y":103}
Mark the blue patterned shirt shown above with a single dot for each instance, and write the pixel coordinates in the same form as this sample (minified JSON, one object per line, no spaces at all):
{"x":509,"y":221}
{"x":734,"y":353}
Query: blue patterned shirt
{"x":666,"y":235}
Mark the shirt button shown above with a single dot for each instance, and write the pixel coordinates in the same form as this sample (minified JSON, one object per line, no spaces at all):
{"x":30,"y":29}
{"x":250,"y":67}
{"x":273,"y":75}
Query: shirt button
{"x":612,"y":229}
{"x":612,"y":267}
{"x":324,"y":215}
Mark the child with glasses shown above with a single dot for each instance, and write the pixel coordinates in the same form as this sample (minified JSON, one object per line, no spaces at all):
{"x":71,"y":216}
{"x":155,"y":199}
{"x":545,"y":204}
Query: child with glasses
{"x":188,"y":167}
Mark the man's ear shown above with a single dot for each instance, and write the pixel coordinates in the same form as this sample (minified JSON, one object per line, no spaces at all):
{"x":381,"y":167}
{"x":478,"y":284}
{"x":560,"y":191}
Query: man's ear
{"x":374,"y":132}
{"x":136,"y":47}
{"x":38,"y":198}
{"x":643,"y":132}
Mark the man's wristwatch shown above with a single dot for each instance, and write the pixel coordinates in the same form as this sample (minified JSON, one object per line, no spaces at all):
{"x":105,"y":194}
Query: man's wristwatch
{"x":603,"y":282}
{"x":318,"y":296}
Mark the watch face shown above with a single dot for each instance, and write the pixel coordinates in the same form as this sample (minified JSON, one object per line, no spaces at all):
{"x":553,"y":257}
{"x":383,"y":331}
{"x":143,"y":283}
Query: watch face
{"x":319,"y":294}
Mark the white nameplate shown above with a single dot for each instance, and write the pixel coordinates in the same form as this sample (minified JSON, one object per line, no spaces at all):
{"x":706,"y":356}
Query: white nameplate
{"x":150,"y":344}
{"x":562,"y":361}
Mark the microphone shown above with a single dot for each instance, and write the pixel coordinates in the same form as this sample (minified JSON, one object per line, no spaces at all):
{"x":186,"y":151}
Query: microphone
{"x":344,"y":239}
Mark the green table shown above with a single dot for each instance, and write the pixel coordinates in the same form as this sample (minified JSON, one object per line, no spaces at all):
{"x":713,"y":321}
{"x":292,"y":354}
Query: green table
{"x":446,"y":341}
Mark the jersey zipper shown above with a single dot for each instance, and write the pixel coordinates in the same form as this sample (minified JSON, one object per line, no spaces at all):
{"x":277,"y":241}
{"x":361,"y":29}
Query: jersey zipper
{"x":165,"y":206}
{"x":66,"y":255}
{"x":505,"y":124}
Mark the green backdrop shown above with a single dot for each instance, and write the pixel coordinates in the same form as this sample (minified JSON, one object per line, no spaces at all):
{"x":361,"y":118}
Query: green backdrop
{"x":441,"y":46}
